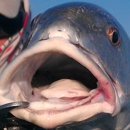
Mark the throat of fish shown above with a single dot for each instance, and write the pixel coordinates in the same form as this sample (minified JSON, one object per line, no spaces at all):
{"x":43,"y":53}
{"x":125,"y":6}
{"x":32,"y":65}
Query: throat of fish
{"x":58,"y":81}
{"x":57,"y":87}
{"x":63,"y":95}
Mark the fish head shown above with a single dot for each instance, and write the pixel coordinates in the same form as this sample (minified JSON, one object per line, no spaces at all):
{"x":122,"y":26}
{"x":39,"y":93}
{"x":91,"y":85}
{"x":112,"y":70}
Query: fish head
{"x":75,"y":67}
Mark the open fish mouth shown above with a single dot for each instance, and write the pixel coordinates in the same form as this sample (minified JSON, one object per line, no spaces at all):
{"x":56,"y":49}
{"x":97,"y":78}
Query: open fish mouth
{"x":63,"y":82}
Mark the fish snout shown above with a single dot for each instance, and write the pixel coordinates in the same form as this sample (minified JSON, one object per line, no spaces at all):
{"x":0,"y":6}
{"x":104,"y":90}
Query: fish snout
{"x":64,"y":28}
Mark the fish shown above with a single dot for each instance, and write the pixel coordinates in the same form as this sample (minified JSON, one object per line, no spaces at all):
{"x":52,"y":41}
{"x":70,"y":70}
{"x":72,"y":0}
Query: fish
{"x":75,"y":71}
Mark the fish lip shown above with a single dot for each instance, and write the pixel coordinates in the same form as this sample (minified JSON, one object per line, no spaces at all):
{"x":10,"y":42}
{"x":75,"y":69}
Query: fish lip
{"x":101,"y":74}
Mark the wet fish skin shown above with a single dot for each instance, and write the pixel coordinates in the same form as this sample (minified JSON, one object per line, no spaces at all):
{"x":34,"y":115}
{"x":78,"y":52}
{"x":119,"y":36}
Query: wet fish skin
{"x":116,"y":59}
{"x":89,"y":26}
{"x":96,"y":29}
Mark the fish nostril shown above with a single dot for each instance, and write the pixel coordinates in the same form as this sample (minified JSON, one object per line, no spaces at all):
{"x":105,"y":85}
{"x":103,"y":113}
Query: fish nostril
{"x":55,"y":32}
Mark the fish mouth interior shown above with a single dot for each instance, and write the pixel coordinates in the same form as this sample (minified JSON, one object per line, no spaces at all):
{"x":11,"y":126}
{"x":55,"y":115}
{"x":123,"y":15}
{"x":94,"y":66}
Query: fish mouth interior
{"x":56,"y":77}
{"x":43,"y":69}
{"x":59,"y":66}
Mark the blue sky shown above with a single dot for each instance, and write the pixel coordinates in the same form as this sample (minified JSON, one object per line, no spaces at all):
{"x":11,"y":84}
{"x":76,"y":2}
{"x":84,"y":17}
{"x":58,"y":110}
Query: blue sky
{"x":120,"y":9}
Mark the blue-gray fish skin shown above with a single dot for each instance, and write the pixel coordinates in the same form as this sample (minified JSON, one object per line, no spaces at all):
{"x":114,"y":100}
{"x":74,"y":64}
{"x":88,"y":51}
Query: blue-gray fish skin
{"x":75,"y":72}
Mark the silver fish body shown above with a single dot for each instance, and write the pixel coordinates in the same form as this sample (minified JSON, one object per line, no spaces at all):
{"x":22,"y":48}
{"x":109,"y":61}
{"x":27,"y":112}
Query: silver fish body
{"x":75,"y":71}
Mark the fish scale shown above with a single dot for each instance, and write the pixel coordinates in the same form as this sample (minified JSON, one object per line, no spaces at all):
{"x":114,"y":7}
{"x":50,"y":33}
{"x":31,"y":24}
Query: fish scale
{"x":76,"y":42}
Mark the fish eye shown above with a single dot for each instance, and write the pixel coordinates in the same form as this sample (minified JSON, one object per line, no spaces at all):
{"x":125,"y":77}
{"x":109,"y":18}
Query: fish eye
{"x":113,"y":36}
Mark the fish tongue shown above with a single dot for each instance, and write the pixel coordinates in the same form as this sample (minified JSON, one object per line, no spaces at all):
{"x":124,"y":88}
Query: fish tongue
{"x":61,"y":95}
{"x":65,"y":89}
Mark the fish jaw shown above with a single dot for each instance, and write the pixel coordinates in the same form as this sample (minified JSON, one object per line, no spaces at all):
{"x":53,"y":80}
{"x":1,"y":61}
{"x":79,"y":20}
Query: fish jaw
{"x":18,"y":76}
